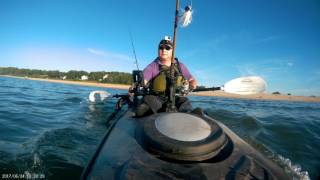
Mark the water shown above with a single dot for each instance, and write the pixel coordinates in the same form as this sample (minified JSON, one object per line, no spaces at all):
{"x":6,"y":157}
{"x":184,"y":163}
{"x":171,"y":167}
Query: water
{"x":50,"y":130}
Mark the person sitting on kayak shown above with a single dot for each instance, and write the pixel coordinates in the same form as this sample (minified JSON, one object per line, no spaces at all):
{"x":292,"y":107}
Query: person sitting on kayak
{"x":157,"y":78}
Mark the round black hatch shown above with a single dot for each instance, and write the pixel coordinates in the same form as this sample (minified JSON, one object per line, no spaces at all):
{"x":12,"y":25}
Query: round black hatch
{"x":183,"y":136}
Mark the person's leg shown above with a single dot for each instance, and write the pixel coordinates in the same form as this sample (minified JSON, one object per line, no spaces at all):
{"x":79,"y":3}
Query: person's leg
{"x":154,"y":102}
{"x":142,"y":110}
{"x":150,"y":103}
{"x":183,"y":104}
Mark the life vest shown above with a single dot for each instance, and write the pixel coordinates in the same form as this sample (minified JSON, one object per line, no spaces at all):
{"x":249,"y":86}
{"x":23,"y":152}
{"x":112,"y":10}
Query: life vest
{"x":160,"y":83}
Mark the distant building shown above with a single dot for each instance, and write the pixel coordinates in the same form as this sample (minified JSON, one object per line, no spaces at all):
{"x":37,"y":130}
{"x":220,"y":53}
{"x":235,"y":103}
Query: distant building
{"x":44,"y":76}
{"x":64,"y":77}
{"x":84,"y":77}
{"x":105,"y":76}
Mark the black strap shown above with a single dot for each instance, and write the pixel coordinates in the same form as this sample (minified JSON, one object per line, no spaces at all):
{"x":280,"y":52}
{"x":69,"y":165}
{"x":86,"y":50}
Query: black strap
{"x":179,"y":68}
{"x":178,"y":64}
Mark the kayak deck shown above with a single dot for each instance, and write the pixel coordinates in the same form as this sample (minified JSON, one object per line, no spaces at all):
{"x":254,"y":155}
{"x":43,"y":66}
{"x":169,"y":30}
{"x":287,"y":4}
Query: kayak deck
{"x":123,"y":156}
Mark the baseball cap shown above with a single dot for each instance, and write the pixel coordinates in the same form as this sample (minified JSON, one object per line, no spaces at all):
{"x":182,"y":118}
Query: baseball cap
{"x":166,"y":41}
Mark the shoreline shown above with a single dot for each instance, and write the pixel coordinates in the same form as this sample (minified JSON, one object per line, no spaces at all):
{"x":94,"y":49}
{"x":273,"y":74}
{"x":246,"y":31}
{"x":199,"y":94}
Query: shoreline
{"x":260,"y":96}
{"x":81,"y":83}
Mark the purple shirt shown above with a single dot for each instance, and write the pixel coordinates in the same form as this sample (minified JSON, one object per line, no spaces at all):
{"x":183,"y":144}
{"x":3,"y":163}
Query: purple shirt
{"x":152,"y":70}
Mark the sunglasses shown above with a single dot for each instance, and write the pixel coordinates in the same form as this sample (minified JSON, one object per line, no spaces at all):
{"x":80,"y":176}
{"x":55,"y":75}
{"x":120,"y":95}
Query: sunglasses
{"x":164,"y":47}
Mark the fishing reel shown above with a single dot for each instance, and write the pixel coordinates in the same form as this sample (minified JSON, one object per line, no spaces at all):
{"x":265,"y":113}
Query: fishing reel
{"x":138,"y":87}
{"x":184,"y":89}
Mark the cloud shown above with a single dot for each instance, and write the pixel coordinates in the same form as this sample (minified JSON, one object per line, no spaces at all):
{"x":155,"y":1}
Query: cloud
{"x":202,"y":77}
{"x":247,"y":69}
{"x":276,"y":71}
{"x":65,"y":59}
{"x":317,"y":73}
{"x":217,"y":43}
{"x":97,"y":52}
{"x":314,"y":78}
{"x":214,"y":46}
{"x":306,"y":92}
{"x":282,"y":74}
{"x":267,"y":66}
{"x":210,"y":77}
{"x":268,"y":39}
{"x":189,"y":53}
{"x":110,"y":55}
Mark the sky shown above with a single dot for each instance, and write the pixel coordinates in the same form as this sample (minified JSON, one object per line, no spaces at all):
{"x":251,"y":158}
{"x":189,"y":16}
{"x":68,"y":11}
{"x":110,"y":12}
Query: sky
{"x":278,"y":40}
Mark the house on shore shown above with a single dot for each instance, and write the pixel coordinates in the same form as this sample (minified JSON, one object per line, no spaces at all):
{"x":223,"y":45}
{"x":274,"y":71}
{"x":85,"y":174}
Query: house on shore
{"x":84,"y":77}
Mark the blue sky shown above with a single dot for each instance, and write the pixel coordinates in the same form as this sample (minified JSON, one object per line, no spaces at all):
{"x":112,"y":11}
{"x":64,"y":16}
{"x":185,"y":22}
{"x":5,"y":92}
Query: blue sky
{"x":278,"y":40}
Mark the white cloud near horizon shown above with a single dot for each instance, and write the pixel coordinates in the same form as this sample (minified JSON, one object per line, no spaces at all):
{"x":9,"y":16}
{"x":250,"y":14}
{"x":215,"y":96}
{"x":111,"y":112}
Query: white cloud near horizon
{"x":111,"y":55}
{"x":203,"y":77}
{"x":281,"y":74}
{"x":96,"y":52}
{"x":247,"y":70}
{"x":314,"y":78}
{"x":306,"y":92}
{"x":266,"y":66}
{"x":64,"y":59}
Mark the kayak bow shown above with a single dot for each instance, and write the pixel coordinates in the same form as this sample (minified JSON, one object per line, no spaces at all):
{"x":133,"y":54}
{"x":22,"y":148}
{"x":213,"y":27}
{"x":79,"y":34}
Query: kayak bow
{"x":176,"y":146}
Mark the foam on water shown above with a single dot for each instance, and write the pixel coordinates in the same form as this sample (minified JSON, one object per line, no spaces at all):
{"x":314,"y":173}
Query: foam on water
{"x":293,"y":169}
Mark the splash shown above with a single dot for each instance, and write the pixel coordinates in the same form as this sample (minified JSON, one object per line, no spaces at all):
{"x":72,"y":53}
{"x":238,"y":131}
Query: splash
{"x":293,"y":169}
{"x":98,"y":96}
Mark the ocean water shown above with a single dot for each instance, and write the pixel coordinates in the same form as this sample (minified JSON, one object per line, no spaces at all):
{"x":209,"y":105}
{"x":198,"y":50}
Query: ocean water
{"x":50,"y":130}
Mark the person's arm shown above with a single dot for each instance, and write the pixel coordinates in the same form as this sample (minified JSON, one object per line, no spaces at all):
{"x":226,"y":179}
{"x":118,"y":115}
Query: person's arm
{"x":186,"y":74}
{"x":148,"y":72}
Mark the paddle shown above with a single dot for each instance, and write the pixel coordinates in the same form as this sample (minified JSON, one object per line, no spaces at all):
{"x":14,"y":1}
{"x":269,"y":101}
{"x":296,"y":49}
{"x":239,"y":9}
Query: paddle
{"x":241,"y":86}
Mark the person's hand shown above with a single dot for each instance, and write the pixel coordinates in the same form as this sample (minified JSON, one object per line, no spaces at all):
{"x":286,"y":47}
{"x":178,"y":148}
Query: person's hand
{"x":130,"y":90}
{"x":192,"y":84}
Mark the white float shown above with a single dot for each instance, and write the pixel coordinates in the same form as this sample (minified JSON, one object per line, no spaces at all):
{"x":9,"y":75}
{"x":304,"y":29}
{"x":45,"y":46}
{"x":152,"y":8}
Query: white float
{"x":98,"y":96}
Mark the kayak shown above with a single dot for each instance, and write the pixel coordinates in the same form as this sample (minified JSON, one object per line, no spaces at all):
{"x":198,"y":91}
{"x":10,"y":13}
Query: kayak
{"x":176,"y":146}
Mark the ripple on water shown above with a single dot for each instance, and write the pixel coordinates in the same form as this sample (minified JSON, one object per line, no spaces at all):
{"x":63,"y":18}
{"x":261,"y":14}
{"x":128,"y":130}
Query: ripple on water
{"x":268,"y":133}
{"x":56,"y":153}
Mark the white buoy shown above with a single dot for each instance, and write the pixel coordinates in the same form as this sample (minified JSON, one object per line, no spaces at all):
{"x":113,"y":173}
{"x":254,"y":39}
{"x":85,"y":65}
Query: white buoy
{"x":98,"y":96}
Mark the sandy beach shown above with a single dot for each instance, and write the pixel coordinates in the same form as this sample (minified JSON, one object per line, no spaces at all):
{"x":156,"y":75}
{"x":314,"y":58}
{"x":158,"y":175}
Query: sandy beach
{"x":81,"y":83}
{"x":260,"y":96}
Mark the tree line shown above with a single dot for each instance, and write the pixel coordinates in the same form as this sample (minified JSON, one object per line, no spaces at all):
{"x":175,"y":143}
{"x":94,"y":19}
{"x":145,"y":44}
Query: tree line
{"x":100,"y":76}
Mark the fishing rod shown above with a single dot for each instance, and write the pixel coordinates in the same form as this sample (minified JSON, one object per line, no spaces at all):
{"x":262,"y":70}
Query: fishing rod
{"x":186,"y":20}
{"x":137,"y":76}
{"x":171,"y":104}
{"x":134,"y":50}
